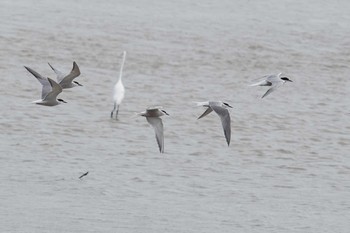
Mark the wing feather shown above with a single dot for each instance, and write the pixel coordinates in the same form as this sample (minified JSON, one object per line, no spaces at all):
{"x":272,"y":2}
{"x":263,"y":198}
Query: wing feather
{"x":56,"y":89}
{"x":46,"y":87}
{"x":157,"y":124}
{"x":207,"y":111}
{"x":224,"y":115}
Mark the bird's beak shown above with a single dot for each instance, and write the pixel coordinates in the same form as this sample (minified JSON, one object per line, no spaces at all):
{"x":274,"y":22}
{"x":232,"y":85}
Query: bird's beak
{"x":77,"y":83}
{"x":290,"y":80}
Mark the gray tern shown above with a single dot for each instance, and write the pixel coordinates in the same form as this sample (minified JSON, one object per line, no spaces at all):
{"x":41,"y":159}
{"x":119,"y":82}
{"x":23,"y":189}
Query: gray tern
{"x":153,"y":115}
{"x":274,"y":81}
{"x":49,"y":92}
{"x":66,"y":80}
{"x":221,"y":109}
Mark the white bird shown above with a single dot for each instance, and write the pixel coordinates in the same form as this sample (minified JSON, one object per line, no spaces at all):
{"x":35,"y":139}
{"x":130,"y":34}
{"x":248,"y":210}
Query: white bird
{"x":153,"y":115}
{"x":119,"y":90}
{"x":66,"y":80}
{"x":221,"y":109}
{"x":49,"y":92}
{"x":273,"y":80}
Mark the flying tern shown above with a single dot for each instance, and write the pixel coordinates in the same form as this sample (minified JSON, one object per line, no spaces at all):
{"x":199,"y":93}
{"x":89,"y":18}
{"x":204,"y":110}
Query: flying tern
{"x":49,"y":92}
{"x":153,"y":115}
{"x":275,"y":81}
{"x":66,"y":80}
{"x":221,"y":109}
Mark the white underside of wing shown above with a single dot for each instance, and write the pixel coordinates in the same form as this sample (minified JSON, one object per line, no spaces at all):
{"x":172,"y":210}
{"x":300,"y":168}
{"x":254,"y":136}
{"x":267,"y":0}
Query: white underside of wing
{"x":157,"y":124}
{"x":224,"y":115}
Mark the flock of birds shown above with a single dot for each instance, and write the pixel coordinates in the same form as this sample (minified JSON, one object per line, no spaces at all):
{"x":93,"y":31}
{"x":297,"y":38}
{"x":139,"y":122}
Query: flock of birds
{"x":51,"y":89}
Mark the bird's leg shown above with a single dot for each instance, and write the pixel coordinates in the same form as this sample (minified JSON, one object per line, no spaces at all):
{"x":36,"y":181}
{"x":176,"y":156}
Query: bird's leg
{"x":115,"y":105}
{"x":116,"y":116}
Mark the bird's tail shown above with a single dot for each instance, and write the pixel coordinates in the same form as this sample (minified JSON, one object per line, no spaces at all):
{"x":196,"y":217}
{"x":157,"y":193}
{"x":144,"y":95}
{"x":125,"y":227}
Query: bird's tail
{"x":254,"y":84}
{"x":261,"y":83}
{"x":201,"y":103}
{"x":136,"y":114}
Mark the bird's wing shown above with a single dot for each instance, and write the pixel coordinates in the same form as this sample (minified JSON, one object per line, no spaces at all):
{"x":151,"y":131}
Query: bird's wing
{"x":75,"y":72}
{"x":207,"y":111}
{"x":154,"y":110}
{"x":44,"y":82}
{"x":157,"y":124}
{"x":56,"y":89}
{"x":154,"y":107}
{"x":273,"y":78}
{"x":261,"y":83}
{"x":225,"y":121}
{"x":273,"y":88}
{"x":268,"y":91}
{"x":60,"y":75}
{"x":259,"y":80}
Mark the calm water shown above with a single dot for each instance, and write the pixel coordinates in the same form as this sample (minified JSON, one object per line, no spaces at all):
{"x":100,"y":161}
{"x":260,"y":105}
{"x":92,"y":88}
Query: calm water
{"x":287,"y":168}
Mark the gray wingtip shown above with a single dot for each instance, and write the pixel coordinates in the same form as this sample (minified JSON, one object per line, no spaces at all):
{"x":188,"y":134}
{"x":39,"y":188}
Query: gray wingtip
{"x":51,"y":81}
{"x":51,"y":66}
{"x":76,"y":68}
{"x":30,"y":70}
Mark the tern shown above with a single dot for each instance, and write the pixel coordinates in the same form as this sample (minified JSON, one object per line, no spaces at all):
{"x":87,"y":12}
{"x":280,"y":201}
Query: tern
{"x":221,"y":109}
{"x":275,"y":81}
{"x":119,"y":90}
{"x":153,"y":115}
{"x":49,"y":92}
{"x":66,"y":80}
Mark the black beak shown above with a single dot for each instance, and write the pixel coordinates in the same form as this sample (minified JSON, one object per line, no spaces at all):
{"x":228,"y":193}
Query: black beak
{"x":290,"y":80}
{"x":78,"y":83}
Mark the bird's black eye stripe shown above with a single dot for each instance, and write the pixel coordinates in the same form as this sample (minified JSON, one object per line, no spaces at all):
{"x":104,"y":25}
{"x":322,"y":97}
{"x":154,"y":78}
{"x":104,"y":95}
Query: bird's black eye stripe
{"x":285,"y":78}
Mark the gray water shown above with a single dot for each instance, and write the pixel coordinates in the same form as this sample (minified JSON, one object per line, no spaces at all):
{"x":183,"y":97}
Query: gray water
{"x":287,"y":168}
